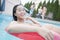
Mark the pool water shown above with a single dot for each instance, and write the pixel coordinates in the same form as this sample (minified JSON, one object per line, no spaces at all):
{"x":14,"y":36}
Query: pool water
{"x":6,"y":19}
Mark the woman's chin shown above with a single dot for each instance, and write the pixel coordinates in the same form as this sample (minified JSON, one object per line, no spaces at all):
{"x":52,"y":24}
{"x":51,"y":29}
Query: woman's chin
{"x":22,"y":18}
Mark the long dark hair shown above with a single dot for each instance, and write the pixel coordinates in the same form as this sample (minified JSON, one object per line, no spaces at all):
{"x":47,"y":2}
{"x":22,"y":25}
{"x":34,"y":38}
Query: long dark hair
{"x":14,"y":11}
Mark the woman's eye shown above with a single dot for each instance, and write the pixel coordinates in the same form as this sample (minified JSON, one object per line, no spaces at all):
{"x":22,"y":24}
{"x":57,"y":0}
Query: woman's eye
{"x":18,"y":9}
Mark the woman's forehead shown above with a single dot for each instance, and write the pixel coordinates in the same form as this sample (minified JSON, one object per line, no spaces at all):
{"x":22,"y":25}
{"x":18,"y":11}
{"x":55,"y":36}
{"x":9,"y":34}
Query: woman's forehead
{"x":20,"y":7}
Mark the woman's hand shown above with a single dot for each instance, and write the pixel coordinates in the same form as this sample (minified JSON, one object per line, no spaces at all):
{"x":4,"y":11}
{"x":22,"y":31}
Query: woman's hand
{"x":47,"y":34}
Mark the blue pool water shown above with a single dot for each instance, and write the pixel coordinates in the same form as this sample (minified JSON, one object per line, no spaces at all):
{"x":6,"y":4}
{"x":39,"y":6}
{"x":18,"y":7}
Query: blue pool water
{"x":6,"y":19}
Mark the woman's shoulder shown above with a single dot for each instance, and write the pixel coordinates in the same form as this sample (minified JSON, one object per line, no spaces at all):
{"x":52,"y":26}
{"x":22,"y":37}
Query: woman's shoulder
{"x":12,"y":22}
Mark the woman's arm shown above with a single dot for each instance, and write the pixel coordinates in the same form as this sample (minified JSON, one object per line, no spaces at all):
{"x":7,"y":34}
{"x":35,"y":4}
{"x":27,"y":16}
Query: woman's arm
{"x":34,"y":21}
{"x":19,"y":28}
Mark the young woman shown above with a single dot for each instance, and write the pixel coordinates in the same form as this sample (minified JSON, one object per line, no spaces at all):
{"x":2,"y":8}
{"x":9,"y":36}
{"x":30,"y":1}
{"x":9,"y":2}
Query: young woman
{"x":32,"y":9}
{"x":39,"y":12}
{"x":44,"y":10}
{"x":19,"y":24}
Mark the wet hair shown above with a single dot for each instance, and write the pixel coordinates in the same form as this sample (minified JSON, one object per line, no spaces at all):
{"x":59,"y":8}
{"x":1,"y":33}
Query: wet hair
{"x":14,"y":11}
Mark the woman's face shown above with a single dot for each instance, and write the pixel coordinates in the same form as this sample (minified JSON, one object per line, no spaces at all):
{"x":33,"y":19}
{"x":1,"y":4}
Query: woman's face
{"x":20,"y":12}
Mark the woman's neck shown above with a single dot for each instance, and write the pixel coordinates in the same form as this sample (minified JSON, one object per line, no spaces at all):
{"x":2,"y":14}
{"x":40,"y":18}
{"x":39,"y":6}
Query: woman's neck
{"x":20,"y":20}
